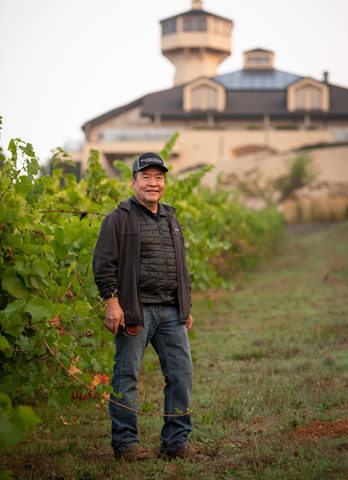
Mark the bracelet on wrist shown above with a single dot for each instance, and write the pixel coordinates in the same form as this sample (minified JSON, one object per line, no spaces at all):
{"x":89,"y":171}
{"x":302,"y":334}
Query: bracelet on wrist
{"x":115,"y":294}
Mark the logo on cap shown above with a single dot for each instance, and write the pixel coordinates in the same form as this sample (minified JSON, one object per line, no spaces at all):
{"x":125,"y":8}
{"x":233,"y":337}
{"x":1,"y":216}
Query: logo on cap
{"x":148,"y":159}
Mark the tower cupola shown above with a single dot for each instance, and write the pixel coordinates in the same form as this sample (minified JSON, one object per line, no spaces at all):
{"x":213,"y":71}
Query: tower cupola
{"x":197,"y":4}
{"x":258,"y":59}
{"x":196,"y":42}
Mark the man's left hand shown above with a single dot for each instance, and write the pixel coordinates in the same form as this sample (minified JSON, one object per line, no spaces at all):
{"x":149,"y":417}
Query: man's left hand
{"x":189,"y":323}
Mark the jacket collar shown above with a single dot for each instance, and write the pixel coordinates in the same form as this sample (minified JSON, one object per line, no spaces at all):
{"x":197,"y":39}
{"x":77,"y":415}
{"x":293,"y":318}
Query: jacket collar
{"x":126,"y":205}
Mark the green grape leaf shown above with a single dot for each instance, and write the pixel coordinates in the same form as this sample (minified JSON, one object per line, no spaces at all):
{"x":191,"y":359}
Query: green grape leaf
{"x":3,"y":342}
{"x":14,"y":285}
{"x":40,"y":309}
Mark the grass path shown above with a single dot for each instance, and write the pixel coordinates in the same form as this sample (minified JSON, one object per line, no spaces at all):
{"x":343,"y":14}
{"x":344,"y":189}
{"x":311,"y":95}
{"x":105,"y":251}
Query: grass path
{"x":270,"y":382}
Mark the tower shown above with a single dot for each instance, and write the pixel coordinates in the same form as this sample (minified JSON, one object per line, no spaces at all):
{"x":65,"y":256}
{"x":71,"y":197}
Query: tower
{"x":196,"y":42}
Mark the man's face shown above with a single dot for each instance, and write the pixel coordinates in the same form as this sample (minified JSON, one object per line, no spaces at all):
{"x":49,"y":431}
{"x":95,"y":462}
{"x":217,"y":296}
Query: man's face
{"x":149,"y":186}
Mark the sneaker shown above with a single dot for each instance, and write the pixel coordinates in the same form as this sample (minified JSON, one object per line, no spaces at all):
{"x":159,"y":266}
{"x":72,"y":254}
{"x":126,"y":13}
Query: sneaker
{"x":134,"y":453}
{"x":187,"y":452}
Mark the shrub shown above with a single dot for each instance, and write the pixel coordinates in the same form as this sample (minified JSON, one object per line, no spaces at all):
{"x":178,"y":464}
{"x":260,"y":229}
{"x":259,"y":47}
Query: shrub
{"x":300,"y":172}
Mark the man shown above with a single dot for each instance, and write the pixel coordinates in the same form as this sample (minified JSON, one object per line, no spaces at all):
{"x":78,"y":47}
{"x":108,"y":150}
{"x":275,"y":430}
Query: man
{"x":140,"y":269}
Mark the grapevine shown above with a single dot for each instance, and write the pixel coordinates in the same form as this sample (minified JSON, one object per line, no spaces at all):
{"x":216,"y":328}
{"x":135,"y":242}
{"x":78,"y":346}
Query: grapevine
{"x":48,"y":299}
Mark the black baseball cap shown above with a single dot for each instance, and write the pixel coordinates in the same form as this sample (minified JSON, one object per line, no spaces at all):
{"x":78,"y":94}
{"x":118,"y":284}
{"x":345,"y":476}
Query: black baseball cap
{"x":148,"y":159}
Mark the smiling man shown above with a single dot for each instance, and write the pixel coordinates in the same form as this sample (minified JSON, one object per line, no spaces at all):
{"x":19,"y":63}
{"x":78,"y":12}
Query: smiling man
{"x":140,"y":269}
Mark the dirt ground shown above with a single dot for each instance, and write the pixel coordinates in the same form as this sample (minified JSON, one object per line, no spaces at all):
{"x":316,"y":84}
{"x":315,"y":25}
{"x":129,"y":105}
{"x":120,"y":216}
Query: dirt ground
{"x":314,"y":430}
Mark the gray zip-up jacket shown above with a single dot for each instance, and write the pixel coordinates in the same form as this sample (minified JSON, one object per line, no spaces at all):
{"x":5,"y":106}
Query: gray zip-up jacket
{"x":116,"y":262}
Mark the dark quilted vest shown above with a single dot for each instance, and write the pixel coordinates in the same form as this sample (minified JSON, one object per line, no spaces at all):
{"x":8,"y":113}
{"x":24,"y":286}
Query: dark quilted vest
{"x":157,"y":272}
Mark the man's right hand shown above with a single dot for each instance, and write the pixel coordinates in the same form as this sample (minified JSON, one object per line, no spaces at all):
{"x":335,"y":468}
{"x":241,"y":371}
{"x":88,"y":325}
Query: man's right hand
{"x":114,"y":316}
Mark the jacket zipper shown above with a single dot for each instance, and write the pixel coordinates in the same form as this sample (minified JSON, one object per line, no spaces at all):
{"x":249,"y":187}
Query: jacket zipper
{"x":163,"y":249}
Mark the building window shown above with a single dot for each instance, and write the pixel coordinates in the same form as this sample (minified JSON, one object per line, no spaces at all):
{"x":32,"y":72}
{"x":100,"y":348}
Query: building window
{"x":258,"y":61}
{"x":211,"y":98}
{"x":195,"y":24}
{"x":315,"y":95}
{"x":197,"y":98}
{"x":221,"y":27}
{"x":204,"y":98}
{"x":205,"y":95}
{"x":308,"y":98}
{"x":217,"y":26}
{"x":169,"y":27}
{"x":226,"y":28}
{"x":300,"y":98}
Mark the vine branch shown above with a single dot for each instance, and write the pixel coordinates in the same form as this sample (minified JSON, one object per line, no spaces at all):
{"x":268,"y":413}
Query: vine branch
{"x":196,"y":223}
{"x":72,"y":211}
{"x":38,"y":232}
{"x":9,"y":185}
{"x":103,"y":396}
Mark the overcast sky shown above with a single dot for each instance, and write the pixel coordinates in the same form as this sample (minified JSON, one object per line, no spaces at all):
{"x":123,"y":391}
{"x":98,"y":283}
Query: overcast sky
{"x":65,"y":61}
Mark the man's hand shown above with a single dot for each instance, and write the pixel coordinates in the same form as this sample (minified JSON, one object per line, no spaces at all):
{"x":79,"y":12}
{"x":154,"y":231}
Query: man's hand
{"x":114,"y":316}
{"x":189,"y":323}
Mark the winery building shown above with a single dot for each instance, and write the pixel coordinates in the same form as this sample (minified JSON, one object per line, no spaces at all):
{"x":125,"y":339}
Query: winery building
{"x":220,"y":117}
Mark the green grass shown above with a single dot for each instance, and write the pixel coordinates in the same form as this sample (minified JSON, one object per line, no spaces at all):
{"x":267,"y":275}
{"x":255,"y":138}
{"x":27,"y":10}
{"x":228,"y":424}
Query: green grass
{"x":268,"y":356}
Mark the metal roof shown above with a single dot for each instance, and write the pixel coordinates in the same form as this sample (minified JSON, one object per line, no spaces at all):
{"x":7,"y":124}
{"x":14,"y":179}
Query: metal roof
{"x":196,"y":13}
{"x":258,"y":49}
{"x":257,"y":80}
{"x":250,"y":95}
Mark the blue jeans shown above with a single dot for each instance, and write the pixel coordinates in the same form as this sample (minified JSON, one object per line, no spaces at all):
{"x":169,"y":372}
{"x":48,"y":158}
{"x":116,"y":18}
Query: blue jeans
{"x":170,"y":340}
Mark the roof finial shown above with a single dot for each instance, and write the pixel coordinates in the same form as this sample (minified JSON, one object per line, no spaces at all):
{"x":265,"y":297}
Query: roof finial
{"x":197,"y":4}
